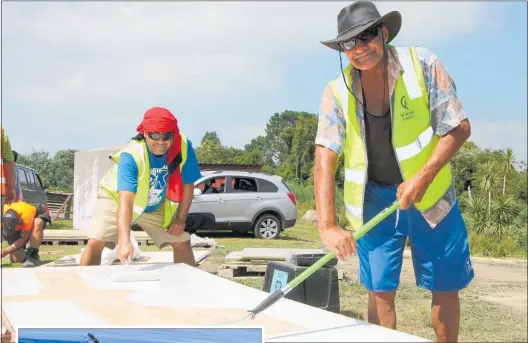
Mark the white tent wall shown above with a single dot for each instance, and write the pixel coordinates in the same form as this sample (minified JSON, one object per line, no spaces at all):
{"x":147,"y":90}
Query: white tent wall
{"x":89,"y":167}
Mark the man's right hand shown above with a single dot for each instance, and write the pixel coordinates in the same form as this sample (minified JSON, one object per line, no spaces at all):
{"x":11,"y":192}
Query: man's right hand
{"x":125,"y":250}
{"x":339,"y":241}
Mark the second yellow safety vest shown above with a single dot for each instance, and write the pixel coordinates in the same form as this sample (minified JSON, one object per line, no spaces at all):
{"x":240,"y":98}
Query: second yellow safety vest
{"x":139,"y":151}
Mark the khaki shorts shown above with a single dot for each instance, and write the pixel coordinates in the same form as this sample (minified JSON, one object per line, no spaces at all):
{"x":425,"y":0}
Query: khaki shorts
{"x":104,"y":224}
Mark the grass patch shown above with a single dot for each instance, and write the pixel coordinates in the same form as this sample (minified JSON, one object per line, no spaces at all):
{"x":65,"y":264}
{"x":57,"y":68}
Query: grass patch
{"x":300,"y":236}
{"x":61,"y":224}
{"x":481,"y":245}
{"x":48,"y":253}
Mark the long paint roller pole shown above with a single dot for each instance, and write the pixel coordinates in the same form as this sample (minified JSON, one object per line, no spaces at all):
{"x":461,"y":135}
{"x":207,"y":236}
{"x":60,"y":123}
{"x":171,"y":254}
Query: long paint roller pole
{"x":277,"y":295}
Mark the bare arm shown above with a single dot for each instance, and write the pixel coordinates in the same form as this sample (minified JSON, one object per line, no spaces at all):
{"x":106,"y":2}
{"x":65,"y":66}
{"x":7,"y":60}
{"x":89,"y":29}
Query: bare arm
{"x":19,"y":243}
{"x":124,"y":214}
{"x":324,"y":182}
{"x":185,"y":204}
{"x":444,"y":151}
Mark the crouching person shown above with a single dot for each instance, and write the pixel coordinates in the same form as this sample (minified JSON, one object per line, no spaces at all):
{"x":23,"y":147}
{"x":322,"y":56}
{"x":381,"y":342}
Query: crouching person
{"x":150,"y":185}
{"x":23,"y":223}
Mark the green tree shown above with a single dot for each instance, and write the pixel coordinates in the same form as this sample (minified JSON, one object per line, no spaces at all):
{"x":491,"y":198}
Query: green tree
{"x":486,"y":178}
{"x":278,"y":137}
{"x":61,"y":168}
{"x":300,"y":160}
{"x":210,"y":149}
{"x":57,"y":171}
{"x":503,"y":215}
{"x":508,"y":162}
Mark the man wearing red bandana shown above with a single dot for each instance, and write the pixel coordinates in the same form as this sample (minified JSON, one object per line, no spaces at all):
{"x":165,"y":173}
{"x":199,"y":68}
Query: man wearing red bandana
{"x":150,"y":185}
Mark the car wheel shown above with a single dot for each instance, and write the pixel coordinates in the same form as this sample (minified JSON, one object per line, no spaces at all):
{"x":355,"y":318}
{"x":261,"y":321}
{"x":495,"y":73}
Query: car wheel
{"x":267,"y":226}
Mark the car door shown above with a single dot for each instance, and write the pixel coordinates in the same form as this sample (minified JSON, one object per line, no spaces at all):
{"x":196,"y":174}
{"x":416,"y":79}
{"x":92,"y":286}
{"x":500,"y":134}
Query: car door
{"x":244,"y":200}
{"x":40,"y":189}
{"x":211,"y":200}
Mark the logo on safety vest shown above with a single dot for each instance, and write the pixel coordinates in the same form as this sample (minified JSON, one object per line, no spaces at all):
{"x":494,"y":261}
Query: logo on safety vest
{"x":405,"y":115}
{"x":403,"y":102}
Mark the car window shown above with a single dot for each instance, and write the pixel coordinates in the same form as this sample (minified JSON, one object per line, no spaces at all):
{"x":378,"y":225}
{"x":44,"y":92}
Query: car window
{"x":31,"y":180}
{"x":23,"y":179}
{"x":266,"y":186}
{"x":244,"y":184}
{"x":39,"y":181}
{"x":212,"y":185}
{"x":286,"y":185}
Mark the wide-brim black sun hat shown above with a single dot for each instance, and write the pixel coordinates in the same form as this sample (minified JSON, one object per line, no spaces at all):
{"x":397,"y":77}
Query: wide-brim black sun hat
{"x":358,"y":17}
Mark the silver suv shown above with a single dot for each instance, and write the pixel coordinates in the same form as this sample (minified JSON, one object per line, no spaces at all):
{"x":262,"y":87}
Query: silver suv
{"x":244,"y":202}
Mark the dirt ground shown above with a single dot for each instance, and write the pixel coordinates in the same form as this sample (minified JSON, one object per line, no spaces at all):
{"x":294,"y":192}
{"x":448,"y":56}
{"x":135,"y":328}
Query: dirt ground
{"x":501,"y":281}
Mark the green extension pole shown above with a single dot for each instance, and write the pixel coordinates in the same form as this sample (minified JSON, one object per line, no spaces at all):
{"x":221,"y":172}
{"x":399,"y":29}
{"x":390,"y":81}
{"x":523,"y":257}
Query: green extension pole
{"x":277,"y":295}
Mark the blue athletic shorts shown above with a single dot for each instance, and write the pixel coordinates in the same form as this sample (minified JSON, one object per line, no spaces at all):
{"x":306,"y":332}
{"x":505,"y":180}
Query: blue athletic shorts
{"x":441,"y":257}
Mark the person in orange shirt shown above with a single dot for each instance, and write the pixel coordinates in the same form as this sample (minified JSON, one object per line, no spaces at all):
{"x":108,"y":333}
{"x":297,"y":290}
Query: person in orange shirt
{"x":23,"y":223}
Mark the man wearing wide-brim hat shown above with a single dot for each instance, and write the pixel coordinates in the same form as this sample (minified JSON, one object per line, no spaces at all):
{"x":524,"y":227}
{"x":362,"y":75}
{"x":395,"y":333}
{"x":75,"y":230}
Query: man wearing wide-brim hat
{"x":395,"y":116}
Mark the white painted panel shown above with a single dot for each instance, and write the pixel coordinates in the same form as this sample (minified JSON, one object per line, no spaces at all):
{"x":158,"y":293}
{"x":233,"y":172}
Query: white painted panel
{"x":359,"y":332}
{"x":146,"y":257}
{"x":30,"y":286}
{"x":102,"y":279}
{"x":48,"y":313}
{"x":182,"y":287}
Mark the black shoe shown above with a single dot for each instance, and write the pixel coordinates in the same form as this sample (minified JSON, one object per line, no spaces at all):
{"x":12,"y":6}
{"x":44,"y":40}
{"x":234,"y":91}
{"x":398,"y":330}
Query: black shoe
{"x":32,"y":257}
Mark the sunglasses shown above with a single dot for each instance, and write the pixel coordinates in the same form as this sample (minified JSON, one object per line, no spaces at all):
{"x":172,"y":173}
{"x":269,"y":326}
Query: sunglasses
{"x":156,"y":136}
{"x":365,"y":37}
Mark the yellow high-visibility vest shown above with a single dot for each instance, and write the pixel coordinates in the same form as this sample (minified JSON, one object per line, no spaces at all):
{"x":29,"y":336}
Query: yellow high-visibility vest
{"x":139,"y":151}
{"x":413,"y":137}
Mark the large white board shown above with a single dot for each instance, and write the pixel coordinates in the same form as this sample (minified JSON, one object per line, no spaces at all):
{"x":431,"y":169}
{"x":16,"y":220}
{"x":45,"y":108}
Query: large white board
{"x":184,"y":296}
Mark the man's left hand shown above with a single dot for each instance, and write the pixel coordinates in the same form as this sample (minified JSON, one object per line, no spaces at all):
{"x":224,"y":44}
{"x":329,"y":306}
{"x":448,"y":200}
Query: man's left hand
{"x":411,"y":191}
{"x":4,"y":253}
{"x":177,"y":227}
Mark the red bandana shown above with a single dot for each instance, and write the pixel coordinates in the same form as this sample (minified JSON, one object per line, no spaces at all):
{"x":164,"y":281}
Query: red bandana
{"x":158,"y":119}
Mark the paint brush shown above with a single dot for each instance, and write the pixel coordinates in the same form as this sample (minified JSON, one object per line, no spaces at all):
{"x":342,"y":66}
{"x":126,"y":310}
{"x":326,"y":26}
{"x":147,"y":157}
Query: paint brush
{"x":277,"y":295}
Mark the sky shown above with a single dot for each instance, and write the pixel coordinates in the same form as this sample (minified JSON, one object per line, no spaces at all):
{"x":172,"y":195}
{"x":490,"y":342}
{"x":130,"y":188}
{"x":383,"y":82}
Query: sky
{"x":81,"y":75}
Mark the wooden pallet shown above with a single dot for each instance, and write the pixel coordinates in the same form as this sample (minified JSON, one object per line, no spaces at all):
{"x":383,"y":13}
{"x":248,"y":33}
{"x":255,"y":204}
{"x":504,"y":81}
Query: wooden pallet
{"x":77,"y":237}
{"x":241,"y":270}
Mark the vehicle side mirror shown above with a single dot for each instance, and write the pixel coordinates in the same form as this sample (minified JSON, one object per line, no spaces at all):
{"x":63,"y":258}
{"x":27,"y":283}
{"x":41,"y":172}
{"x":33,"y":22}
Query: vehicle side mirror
{"x":46,"y":186}
{"x":197,"y":191}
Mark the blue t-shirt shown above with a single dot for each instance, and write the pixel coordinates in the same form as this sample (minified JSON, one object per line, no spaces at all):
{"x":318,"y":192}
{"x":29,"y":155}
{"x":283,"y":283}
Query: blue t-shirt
{"x":127,"y":175}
